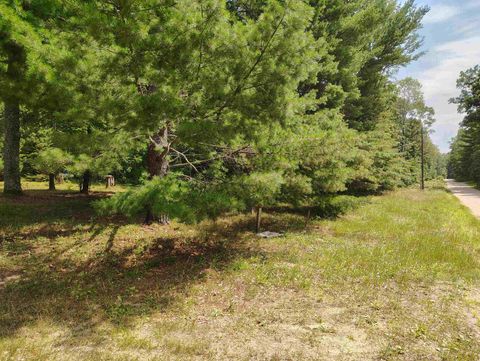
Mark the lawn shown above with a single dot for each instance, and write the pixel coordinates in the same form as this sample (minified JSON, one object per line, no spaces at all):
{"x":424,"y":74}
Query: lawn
{"x":396,"y":279}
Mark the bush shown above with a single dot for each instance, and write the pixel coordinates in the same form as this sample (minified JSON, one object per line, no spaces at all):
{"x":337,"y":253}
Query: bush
{"x":438,"y":183}
{"x":258,"y":189}
{"x":52,"y":161}
{"x":296,"y":190}
{"x":170,"y":196}
{"x":335,"y":205}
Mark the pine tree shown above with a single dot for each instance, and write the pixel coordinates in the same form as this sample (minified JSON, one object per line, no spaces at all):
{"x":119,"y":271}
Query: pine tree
{"x":28,"y":48}
{"x":464,"y":161}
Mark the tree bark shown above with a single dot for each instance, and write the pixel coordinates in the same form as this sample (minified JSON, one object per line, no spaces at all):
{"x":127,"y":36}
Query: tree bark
{"x":157,"y":152}
{"x":309,"y":214}
{"x":149,"y":218}
{"x":422,"y":181}
{"x":51,"y":182}
{"x":16,"y":61}
{"x":11,"y":150}
{"x":258,"y":219}
{"x":157,"y":166}
{"x":85,"y":185}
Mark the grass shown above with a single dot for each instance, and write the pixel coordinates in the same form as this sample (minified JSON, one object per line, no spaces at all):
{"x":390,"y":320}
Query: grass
{"x":396,"y":279}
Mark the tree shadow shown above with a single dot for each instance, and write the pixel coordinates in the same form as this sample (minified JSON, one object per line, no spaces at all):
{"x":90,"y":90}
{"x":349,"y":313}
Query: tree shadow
{"x":116,"y":286}
{"x":118,"y":283}
{"x":244,"y":224}
{"x":49,"y":215}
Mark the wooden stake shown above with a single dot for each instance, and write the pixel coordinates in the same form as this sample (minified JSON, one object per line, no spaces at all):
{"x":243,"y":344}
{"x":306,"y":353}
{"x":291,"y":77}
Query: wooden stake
{"x":259,"y":219}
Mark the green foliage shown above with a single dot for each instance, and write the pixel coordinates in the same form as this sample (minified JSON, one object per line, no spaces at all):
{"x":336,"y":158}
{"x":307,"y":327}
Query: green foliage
{"x":464,"y":159}
{"x":249,"y":102}
{"x":296,"y":189}
{"x":259,"y":189}
{"x":169,"y":196}
{"x":411,"y":115}
{"x":210,"y":202}
{"x":335,"y":205}
{"x":81,"y":164}
{"x":162,"y":195}
{"x":106,"y":153}
{"x":52,"y":161}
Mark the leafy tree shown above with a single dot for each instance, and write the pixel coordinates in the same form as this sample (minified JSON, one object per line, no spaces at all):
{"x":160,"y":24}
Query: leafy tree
{"x":236,"y":76}
{"x":414,"y":120}
{"x":460,"y":157}
{"x":51,"y":162}
{"x":245,"y":101}
{"x":102,"y":156}
{"x":366,"y":41}
{"x":172,"y":196}
{"x":27,"y":52}
{"x":259,"y":190}
{"x":464,"y":160}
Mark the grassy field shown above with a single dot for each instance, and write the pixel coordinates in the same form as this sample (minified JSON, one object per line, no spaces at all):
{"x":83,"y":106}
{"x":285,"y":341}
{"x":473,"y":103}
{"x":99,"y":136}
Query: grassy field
{"x":396,"y":279}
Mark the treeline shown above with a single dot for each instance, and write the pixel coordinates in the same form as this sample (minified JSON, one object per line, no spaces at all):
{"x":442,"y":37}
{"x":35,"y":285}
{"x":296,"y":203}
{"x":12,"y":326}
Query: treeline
{"x":464,"y":158}
{"x":211,"y":105}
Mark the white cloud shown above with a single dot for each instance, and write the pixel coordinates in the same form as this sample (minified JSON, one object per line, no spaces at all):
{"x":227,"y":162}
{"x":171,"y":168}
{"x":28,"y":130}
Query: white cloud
{"x":468,"y":29}
{"x":441,"y":13}
{"x":472,"y":4}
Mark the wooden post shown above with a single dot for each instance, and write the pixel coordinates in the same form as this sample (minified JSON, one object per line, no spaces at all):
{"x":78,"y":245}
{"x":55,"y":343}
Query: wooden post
{"x":258,"y":220}
{"x":109,"y":181}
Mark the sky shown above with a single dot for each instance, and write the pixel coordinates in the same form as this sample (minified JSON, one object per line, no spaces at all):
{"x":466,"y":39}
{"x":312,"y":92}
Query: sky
{"x":451,"y":32}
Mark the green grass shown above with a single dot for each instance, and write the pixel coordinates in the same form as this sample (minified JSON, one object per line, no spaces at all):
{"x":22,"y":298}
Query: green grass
{"x":396,"y":279}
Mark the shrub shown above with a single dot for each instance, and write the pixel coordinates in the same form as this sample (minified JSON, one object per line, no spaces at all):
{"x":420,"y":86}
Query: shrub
{"x":258,"y":189}
{"x":335,"y":205}
{"x":52,"y":161}
{"x":170,"y":196}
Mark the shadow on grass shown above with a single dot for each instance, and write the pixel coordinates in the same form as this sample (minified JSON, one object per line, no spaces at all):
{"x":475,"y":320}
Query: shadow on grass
{"x":109,"y":288}
{"x":39,"y":206}
{"x":120,"y":282}
{"x":46,"y":214}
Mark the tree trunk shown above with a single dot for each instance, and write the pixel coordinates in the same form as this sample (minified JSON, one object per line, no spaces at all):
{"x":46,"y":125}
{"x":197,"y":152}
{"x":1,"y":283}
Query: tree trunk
{"x":309,"y":214}
{"x":157,"y":154}
{"x":51,"y":182}
{"x":85,"y":185}
{"x":258,"y":219}
{"x":149,"y":218}
{"x":16,"y":61}
{"x":157,"y":166}
{"x":11,"y":150}
{"x":422,"y":181}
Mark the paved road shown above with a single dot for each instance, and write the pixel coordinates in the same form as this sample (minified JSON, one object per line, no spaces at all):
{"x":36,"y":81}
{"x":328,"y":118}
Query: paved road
{"x":468,"y":195}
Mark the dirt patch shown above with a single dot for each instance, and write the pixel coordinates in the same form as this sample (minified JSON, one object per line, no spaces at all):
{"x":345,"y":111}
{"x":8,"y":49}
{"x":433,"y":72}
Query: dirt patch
{"x":290,"y":327}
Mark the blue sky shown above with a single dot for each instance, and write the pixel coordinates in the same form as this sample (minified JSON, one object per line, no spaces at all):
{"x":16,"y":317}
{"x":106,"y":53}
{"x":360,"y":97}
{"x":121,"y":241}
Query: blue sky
{"x":452,"y":43}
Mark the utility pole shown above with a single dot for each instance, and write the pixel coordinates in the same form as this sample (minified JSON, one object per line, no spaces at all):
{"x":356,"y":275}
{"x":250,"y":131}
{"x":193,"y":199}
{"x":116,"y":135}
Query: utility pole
{"x":422,"y":181}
